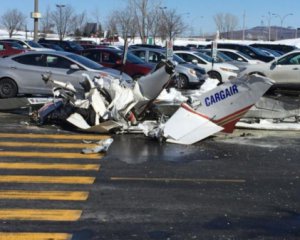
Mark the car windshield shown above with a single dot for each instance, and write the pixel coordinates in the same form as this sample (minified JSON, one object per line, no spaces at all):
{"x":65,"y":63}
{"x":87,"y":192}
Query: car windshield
{"x":75,"y":46}
{"x":131,"y":58}
{"x":178,"y":59}
{"x":34,"y":44}
{"x":245,"y":56}
{"x":85,"y":62}
{"x":204,"y":56}
{"x":257,"y":51}
{"x":16,"y":46}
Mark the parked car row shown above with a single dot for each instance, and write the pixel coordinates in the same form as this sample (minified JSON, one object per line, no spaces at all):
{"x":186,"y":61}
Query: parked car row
{"x":67,"y":60}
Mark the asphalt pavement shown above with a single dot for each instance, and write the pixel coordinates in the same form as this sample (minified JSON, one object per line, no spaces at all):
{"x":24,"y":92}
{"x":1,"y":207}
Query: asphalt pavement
{"x":240,"y":186}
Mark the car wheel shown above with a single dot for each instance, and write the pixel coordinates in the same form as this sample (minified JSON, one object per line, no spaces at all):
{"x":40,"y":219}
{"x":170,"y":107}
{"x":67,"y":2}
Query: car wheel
{"x":181,"y":82}
{"x":8,"y":88}
{"x":215,"y":75}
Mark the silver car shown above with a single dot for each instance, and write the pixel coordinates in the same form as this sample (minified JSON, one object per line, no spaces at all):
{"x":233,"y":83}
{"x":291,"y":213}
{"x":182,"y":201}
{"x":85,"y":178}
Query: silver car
{"x":189,"y":75}
{"x":21,"y":74}
{"x":283,"y":70}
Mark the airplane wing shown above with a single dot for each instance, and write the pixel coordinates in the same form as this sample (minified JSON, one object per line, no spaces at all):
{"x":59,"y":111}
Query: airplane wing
{"x":187,"y":126}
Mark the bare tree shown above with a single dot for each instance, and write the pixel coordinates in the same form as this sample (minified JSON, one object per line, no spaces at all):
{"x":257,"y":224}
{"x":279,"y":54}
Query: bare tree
{"x":13,"y":20}
{"x":172,"y":24}
{"x":111,"y":25}
{"x":220,"y":23}
{"x":226,"y":23}
{"x":62,"y":18}
{"x":143,"y":8}
{"x":78,"y":23}
{"x":231,"y":23}
{"x":124,"y":20}
{"x":46,"y":23}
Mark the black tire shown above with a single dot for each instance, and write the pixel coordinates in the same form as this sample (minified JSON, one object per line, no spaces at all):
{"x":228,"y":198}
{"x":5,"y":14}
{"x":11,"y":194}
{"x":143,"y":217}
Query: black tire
{"x":181,"y":82}
{"x":8,"y":88}
{"x":215,"y":75}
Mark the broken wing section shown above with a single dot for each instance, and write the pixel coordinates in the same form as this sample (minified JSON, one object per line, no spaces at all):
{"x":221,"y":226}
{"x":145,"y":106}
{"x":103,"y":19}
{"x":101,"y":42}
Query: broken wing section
{"x":188,"y":126}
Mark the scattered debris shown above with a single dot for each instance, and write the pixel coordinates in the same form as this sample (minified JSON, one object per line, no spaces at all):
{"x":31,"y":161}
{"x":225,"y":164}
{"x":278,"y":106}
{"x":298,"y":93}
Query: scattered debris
{"x":109,"y":104}
{"x":102,"y":146}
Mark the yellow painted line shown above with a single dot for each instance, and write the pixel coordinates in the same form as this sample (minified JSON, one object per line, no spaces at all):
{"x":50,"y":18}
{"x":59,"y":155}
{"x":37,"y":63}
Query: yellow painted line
{"x":40,"y":214}
{"x":60,"y":155}
{"x":46,"y":179}
{"x":44,"y":195}
{"x":47,"y":145}
{"x":50,"y":166}
{"x":54,"y":136}
{"x":34,"y":236}
{"x":178,"y":180}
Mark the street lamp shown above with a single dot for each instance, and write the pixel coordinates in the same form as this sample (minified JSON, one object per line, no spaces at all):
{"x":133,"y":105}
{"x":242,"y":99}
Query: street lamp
{"x":60,"y":6}
{"x":281,"y":21}
{"x":36,"y":16}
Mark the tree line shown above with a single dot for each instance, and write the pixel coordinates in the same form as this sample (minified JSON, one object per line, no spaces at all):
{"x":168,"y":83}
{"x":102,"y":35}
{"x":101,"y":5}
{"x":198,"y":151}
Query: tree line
{"x":143,"y":18}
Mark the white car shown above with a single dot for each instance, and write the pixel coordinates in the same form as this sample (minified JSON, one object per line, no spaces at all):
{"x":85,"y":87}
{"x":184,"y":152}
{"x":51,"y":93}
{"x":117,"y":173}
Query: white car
{"x":239,"y":56}
{"x":221,"y":71}
{"x":28,"y":44}
{"x":283,"y":70}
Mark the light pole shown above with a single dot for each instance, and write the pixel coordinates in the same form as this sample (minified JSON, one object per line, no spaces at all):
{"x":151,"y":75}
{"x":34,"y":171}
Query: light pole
{"x":36,"y":15}
{"x":60,"y":6}
{"x":281,"y":21}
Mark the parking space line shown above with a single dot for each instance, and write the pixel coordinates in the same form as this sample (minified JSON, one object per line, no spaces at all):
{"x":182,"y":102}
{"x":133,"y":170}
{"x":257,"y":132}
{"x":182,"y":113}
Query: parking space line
{"x":54,"y":136}
{"x":44,"y":195}
{"x":46,"y":179}
{"x":40,"y":214}
{"x":177,"y":180}
{"x":60,"y":155}
{"x":46,"y":145}
{"x":50,"y":166}
{"x":34,"y":236}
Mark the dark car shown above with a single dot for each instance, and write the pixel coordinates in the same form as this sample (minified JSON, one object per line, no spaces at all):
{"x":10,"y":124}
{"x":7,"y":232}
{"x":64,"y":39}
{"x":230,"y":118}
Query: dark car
{"x":89,"y":46}
{"x":135,"y":46}
{"x":10,"y":48}
{"x":52,"y":46}
{"x":68,"y":46}
{"x":248,"y":50}
{"x":277,"y":47}
{"x":134,"y":66}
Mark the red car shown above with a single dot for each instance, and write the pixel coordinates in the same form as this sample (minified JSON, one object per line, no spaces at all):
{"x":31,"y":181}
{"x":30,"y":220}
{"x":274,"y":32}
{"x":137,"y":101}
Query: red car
{"x":112,"y":58}
{"x":10,"y":48}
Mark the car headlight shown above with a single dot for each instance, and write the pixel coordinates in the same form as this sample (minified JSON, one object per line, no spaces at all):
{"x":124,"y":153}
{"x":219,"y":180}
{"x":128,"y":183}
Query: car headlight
{"x":192,"y":72}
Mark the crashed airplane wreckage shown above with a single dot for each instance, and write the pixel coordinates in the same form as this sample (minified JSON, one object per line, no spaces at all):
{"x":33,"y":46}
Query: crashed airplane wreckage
{"x":112,"y":105}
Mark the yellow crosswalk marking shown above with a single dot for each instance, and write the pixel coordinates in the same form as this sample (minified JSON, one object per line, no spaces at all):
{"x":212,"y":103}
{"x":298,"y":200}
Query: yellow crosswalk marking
{"x":40,"y":214}
{"x":46,"y":179}
{"x":44,"y":195}
{"x":54,"y":136}
{"x":46,"y":145}
{"x":50,"y":166}
{"x":60,"y":155}
{"x":34,"y":236}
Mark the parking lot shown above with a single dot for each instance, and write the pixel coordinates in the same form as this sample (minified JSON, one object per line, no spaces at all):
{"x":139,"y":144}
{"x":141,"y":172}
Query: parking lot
{"x":240,"y":186}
